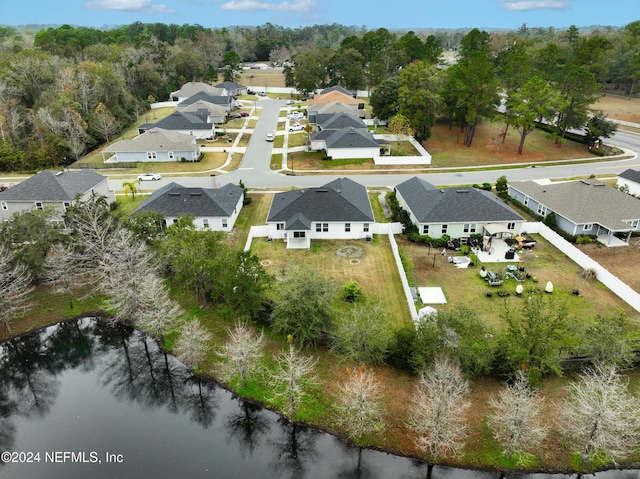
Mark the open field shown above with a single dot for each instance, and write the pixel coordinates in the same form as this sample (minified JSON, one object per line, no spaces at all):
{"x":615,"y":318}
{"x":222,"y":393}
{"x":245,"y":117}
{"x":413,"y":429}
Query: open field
{"x":621,"y":261}
{"x":619,"y":107}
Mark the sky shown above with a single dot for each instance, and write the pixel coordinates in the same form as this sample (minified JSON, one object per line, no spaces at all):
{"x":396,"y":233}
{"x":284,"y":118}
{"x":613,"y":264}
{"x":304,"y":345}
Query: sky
{"x":390,"y":14}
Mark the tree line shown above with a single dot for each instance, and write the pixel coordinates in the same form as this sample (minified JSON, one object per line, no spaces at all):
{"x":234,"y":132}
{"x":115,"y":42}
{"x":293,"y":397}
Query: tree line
{"x":78,"y":87}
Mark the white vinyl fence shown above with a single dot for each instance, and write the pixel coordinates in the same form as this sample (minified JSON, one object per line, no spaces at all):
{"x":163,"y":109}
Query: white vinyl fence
{"x":611,"y":281}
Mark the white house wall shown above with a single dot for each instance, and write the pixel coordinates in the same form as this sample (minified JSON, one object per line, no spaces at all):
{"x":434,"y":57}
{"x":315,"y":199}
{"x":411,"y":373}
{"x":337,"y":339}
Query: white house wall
{"x":350,"y":153}
{"x":634,"y":188}
{"x":161,"y":156}
{"x":336,"y":231}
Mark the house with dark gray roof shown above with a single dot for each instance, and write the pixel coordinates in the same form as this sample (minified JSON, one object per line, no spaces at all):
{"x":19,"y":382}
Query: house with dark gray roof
{"x":352,"y":93}
{"x":212,"y":209}
{"x":194,"y":124}
{"x":338,"y":210}
{"x":343,"y":135}
{"x":629,"y":181}
{"x":222,"y":100}
{"x":582,"y":207}
{"x":456,"y":212}
{"x":56,"y":189}
{"x":231,"y":88}
{"x":216,"y":113}
{"x":155,"y":144}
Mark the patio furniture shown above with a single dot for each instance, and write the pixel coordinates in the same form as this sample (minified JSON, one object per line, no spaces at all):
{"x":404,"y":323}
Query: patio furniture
{"x":513,"y":276}
{"x":493,"y":279}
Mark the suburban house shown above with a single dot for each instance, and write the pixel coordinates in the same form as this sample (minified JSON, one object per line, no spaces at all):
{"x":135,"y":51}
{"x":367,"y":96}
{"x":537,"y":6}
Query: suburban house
{"x":155,"y":144}
{"x":333,"y":96}
{"x":340,"y":89}
{"x":583,"y":207}
{"x":57,"y":189}
{"x":192,"y":88}
{"x":629,"y":180}
{"x":197,"y":125}
{"x":212,"y":209}
{"x":216,"y":113}
{"x":222,"y":100}
{"x":232,"y":88}
{"x":328,"y":109}
{"x":342,"y":136}
{"x":338,"y":210}
{"x":456,"y":212}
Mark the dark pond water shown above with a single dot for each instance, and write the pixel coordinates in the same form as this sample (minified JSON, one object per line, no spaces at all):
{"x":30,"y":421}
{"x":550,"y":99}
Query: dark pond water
{"x":86,"y":400}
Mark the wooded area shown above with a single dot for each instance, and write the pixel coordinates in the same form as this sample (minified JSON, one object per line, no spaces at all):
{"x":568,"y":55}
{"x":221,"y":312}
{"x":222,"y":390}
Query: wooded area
{"x":66,"y":90}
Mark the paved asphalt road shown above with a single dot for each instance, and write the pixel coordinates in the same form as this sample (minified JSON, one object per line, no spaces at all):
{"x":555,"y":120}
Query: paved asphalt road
{"x":255,"y":173}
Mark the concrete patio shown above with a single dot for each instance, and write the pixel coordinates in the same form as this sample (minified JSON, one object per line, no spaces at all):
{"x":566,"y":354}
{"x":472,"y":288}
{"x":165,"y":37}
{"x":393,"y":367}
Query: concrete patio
{"x":496,"y":253}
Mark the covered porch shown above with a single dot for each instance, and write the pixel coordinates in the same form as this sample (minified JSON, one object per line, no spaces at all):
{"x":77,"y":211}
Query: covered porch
{"x":497,"y":252}
{"x":297,"y":240}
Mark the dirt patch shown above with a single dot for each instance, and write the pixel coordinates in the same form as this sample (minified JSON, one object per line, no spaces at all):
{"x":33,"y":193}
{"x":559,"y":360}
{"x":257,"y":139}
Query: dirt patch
{"x":350,"y":251}
{"x":621,"y":261}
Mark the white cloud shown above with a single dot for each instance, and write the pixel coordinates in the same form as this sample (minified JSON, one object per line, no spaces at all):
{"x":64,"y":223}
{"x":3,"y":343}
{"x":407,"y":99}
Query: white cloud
{"x":145,"y":6}
{"x":295,"y":6}
{"x":536,"y":4}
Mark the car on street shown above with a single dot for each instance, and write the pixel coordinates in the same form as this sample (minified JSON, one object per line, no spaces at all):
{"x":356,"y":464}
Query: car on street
{"x":261,"y":93}
{"x":270,"y":137}
{"x":149,"y":177}
{"x":244,"y":114}
{"x":296,"y":127}
{"x":290,"y":102}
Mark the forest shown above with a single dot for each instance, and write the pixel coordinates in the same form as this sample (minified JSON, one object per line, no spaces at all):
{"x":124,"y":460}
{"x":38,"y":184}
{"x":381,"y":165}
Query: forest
{"x":66,"y":90}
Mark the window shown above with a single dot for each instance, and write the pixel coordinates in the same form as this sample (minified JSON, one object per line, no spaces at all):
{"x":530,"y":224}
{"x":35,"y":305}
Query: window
{"x":58,"y":224}
{"x":347,"y":227}
{"x":542,"y":210}
{"x":322,"y":227}
{"x":365,"y":227}
{"x":587,"y":227}
{"x":151,"y":155}
{"x":299,"y":234}
{"x":39,"y":205}
{"x":171,"y":157}
{"x":511,"y":226}
{"x":526,"y":201}
{"x":5,"y":207}
{"x":279,"y":226}
{"x":469,"y":228}
{"x":425,"y":229}
{"x":66,"y":204}
{"x":632,"y":223}
{"x":444,"y":229}
{"x":205,"y":222}
{"x":224,"y":222}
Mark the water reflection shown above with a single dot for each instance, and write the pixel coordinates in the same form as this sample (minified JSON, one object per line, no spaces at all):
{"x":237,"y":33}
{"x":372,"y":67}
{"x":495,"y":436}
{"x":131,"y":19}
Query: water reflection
{"x":86,"y":385}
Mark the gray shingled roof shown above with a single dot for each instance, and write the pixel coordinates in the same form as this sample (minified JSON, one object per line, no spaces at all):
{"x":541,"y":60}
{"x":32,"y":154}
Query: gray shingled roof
{"x":50,"y":185}
{"x":215,"y":99}
{"x":340,"y":89}
{"x":229,"y":85}
{"x":180,"y":120}
{"x":174,"y":200}
{"x":631,"y":175}
{"x":453,"y":205}
{"x":155,"y":139}
{"x":340,"y":200}
{"x":337,"y":121}
{"x":351,"y":138}
{"x":584,"y":202}
{"x":212,"y":109}
{"x":192,"y":88}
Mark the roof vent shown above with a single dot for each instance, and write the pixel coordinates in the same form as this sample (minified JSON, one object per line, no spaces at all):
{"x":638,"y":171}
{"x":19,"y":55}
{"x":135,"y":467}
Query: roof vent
{"x":195,"y":193}
{"x":462,"y":191}
{"x":59,"y":173}
{"x":174,"y":193}
{"x":322,"y":191}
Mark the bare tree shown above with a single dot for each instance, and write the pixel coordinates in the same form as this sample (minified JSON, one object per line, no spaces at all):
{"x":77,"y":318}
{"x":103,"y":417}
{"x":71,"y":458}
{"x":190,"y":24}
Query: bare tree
{"x":242,"y":354}
{"x":104,"y":122}
{"x":15,"y":285}
{"x":192,"y":343}
{"x":437,"y":412}
{"x":291,"y":377}
{"x":600,"y":417}
{"x":158,"y":310}
{"x":65,"y":269}
{"x":359,"y":406}
{"x":515,"y":418}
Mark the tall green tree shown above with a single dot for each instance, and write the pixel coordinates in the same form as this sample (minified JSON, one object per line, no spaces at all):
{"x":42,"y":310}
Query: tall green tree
{"x":384,"y":99}
{"x":418,"y":98}
{"x":579,"y":89}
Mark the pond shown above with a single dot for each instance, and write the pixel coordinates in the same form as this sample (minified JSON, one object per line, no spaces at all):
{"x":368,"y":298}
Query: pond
{"x":85,"y":399}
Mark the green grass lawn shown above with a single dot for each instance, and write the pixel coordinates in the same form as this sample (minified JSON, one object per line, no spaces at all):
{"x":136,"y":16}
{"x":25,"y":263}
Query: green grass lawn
{"x":298,"y":139}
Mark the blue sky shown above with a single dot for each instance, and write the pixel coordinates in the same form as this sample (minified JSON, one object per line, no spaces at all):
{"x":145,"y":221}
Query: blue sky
{"x":390,"y":14}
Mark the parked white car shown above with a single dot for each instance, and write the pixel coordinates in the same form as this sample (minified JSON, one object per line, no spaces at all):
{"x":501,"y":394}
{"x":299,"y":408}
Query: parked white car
{"x":270,"y":137}
{"x":296,"y":115}
{"x":149,"y":177}
{"x":296,"y":127}
{"x":290,"y":102}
